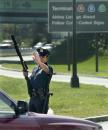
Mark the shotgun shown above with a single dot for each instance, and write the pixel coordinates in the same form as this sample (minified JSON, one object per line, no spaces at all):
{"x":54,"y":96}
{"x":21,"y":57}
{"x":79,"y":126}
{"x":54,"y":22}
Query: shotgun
{"x":23,"y":63}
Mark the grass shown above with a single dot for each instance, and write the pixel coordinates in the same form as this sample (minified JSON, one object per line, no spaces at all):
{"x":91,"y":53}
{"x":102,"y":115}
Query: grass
{"x":89,"y":66}
{"x":84,"y":68}
{"x":88,"y":100}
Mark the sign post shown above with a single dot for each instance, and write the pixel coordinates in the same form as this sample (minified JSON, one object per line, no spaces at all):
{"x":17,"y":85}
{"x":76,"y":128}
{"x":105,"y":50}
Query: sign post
{"x":62,"y":17}
{"x":74,"y":79}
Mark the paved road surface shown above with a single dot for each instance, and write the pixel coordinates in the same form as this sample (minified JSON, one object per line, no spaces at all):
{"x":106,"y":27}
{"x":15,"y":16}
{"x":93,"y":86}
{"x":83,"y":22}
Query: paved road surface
{"x":60,"y":78}
{"x":15,"y":58}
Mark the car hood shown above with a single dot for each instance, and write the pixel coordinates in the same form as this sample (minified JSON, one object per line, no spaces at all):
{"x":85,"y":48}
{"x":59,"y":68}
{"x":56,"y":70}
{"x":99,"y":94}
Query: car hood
{"x":45,"y":119}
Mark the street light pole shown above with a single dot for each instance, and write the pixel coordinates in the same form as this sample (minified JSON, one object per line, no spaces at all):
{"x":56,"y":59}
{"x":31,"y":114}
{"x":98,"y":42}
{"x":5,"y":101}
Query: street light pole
{"x":74,"y":79}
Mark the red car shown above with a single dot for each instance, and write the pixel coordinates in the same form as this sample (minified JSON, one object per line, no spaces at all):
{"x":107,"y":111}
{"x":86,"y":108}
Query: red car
{"x":15,"y":116}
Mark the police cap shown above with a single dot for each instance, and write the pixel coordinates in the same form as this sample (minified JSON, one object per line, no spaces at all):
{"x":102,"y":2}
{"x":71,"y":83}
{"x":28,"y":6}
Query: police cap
{"x":43,"y":52}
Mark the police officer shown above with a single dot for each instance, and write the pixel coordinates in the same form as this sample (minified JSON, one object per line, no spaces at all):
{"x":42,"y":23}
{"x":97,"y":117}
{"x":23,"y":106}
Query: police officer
{"x":38,"y":82}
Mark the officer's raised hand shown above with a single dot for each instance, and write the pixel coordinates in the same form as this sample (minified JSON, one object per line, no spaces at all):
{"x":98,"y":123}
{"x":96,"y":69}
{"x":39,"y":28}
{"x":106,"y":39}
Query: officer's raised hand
{"x":41,"y":59}
{"x":36,"y":57}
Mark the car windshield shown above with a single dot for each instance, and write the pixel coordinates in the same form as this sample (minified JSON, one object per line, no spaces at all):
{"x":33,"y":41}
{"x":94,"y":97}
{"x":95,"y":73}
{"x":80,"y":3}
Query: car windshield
{"x":6,"y":104}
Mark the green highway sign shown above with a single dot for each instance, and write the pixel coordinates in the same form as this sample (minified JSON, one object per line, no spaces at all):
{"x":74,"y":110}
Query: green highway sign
{"x":23,"y":11}
{"x":92,"y":16}
{"x":22,"y":5}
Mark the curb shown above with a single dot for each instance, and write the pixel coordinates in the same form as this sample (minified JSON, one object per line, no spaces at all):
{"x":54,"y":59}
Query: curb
{"x":9,"y":69}
{"x":98,"y":118}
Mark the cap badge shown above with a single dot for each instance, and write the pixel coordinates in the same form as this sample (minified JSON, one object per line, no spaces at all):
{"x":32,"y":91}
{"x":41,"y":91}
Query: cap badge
{"x":41,"y":50}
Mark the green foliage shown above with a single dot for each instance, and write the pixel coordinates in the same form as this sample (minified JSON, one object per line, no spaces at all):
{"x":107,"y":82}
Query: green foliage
{"x":27,"y":35}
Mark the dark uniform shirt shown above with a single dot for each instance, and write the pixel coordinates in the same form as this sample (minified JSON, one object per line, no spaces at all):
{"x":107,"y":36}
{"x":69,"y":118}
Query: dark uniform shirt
{"x":38,"y":89}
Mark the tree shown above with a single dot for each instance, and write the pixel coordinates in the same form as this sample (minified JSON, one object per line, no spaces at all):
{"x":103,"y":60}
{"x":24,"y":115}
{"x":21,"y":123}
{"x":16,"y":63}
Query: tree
{"x":99,"y":43}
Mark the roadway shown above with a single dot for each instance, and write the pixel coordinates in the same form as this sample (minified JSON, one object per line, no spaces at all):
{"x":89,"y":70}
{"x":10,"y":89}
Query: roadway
{"x":59,"y":77}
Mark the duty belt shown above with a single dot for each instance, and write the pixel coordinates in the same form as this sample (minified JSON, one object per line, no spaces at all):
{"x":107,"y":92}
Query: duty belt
{"x":34,"y":93}
{"x":38,"y":93}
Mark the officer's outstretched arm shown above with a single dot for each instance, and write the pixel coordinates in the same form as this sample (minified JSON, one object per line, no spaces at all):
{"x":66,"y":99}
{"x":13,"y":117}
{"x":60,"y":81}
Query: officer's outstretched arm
{"x":37,"y":59}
